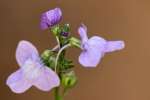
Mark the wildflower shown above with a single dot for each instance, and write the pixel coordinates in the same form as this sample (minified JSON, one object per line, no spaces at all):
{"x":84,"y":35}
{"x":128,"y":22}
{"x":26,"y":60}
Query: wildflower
{"x":32,"y":71}
{"x":50,"y":18}
{"x":95,"y":48}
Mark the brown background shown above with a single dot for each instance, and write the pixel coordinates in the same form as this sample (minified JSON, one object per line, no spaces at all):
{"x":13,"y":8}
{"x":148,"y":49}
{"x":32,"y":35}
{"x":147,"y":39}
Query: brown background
{"x":123,"y":75}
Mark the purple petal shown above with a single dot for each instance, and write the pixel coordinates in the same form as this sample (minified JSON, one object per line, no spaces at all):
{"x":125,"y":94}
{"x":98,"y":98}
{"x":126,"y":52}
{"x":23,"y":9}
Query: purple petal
{"x":51,"y":18}
{"x":32,"y":69}
{"x":47,"y":80}
{"x":25,"y":50}
{"x":93,"y":52}
{"x":83,"y":33}
{"x":114,"y":46}
{"x":17,"y":83}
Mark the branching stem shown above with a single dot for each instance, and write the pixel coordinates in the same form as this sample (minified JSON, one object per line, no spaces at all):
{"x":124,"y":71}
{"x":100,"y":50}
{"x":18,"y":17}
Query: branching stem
{"x":63,"y":48}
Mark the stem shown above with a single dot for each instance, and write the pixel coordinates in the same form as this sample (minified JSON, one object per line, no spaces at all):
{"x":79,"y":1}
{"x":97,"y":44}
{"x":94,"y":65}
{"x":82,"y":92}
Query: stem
{"x":57,"y":93}
{"x":55,"y":48}
{"x":64,"y":47}
{"x":58,"y":42}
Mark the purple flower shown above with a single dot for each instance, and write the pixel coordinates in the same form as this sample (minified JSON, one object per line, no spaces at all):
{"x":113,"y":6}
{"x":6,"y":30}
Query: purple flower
{"x":95,"y":48}
{"x":32,"y":71}
{"x":50,"y":18}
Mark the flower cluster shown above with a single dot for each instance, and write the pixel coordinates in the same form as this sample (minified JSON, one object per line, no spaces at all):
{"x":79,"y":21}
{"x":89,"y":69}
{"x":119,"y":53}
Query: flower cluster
{"x":52,"y":69}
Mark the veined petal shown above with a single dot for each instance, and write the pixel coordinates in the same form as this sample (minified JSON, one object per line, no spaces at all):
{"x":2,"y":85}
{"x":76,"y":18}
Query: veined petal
{"x":25,"y":50}
{"x":47,"y":79}
{"x":114,"y":46}
{"x":17,"y":82}
{"x":51,"y":18}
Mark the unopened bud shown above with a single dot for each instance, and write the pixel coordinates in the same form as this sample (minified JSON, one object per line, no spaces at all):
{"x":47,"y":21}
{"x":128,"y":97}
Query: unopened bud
{"x":69,"y":79}
{"x":65,"y":30}
{"x":75,"y":42}
{"x":65,"y":34}
{"x":49,"y":58}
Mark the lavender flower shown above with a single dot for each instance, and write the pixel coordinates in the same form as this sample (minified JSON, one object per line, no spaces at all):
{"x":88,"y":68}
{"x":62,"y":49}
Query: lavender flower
{"x":32,"y":71}
{"x":50,"y":18}
{"x":95,"y":48}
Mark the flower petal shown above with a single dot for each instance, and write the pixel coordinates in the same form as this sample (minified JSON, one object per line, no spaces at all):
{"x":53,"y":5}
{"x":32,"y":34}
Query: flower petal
{"x":97,"y":42}
{"x":32,"y":69}
{"x":114,"y":46}
{"x":25,"y":50}
{"x":17,"y":83}
{"x":82,"y":30}
{"x":51,"y":18}
{"x":89,"y":59}
{"x":47,"y":79}
{"x":94,"y":51}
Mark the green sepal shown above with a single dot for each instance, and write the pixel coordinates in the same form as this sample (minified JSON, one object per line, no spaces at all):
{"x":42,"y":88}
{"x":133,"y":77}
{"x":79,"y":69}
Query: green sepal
{"x":56,"y":30}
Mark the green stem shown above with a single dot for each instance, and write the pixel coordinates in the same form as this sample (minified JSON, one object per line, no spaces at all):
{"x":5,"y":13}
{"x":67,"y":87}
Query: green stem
{"x":56,"y":93}
{"x":58,"y":42}
{"x":60,"y":51}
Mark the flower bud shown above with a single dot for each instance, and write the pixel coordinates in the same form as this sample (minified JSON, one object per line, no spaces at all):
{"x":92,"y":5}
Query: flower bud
{"x":69,"y":79}
{"x":49,"y":58}
{"x":75,"y":42}
{"x":65,"y":30}
{"x":65,"y":34}
{"x":51,"y":18}
{"x":46,"y":54}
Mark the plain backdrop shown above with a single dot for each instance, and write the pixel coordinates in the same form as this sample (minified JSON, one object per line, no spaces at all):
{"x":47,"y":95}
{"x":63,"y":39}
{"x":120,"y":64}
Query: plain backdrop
{"x":123,"y":75}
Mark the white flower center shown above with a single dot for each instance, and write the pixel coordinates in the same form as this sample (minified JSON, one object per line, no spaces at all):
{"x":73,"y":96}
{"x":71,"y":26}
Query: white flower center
{"x":31,"y":70}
